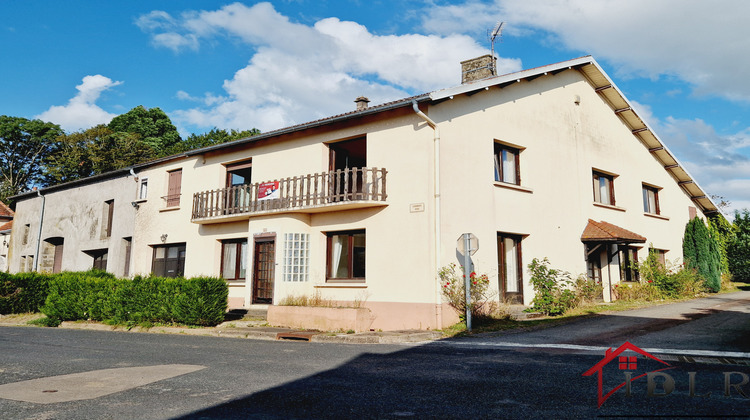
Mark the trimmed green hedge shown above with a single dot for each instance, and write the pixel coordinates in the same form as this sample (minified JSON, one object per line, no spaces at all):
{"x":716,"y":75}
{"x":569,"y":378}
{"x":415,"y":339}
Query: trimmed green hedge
{"x":23,"y":292}
{"x":82,"y":296}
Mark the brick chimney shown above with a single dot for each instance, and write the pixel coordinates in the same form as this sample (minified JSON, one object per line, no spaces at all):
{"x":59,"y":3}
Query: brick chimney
{"x":361,"y":103}
{"x":478,"y":68}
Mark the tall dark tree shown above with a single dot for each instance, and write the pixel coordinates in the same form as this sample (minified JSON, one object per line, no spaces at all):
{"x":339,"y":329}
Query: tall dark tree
{"x":723,"y":232}
{"x":152,"y":125}
{"x":701,"y":252}
{"x":25,"y":145}
{"x":738,"y":250}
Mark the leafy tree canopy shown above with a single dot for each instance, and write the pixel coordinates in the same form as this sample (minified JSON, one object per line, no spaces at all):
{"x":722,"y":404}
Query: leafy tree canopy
{"x":213,"y":137}
{"x":152,"y":125}
{"x":25,"y":146}
{"x":738,"y":249}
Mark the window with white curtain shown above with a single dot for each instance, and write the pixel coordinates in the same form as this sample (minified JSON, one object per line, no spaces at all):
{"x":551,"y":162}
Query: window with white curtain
{"x":234,"y":259}
{"x":296,"y":257}
{"x":604,"y":189}
{"x":507,"y":167}
{"x":346,"y":255}
{"x":650,"y":199}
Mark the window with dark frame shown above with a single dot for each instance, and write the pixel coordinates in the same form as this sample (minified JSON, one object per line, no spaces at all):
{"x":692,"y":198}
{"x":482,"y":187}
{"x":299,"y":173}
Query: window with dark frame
{"x":507,"y":167}
{"x":510,"y":267}
{"x":168,"y":260}
{"x":604,"y":188}
{"x":628,"y":257}
{"x":100,"y":258}
{"x":651,"y":199}
{"x":346,"y":256}
{"x":234,"y":259}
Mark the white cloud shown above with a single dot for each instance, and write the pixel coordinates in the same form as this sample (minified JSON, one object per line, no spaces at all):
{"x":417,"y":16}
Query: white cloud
{"x":81,"y":112}
{"x":300,"y":73}
{"x":703,"y":43}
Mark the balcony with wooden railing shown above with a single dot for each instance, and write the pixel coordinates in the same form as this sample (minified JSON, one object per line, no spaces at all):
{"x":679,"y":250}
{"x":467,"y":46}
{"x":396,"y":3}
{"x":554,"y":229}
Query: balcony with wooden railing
{"x":341,"y":189}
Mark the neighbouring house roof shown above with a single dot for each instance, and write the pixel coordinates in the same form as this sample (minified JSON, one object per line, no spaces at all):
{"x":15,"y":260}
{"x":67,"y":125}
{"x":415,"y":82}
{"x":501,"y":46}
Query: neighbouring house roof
{"x":607,"y":232}
{"x":6,"y":227}
{"x":591,"y":70}
{"x":5,"y":211}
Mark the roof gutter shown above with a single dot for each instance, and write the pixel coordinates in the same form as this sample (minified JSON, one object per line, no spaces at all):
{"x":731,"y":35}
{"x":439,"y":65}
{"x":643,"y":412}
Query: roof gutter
{"x":436,"y":205}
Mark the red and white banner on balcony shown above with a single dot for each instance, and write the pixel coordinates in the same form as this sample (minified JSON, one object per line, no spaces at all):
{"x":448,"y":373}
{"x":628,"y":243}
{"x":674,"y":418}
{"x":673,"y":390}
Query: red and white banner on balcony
{"x":268,"y":190}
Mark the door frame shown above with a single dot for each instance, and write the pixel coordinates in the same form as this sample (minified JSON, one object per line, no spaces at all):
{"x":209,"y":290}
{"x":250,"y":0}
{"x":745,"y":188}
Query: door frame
{"x":258,"y":242}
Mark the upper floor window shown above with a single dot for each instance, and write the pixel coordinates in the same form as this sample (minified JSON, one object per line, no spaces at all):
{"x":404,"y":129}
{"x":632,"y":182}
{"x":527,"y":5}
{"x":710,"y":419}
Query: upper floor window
{"x":651,"y":199}
{"x":604,"y":188}
{"x":174,"y":188}
{"x":239,"y":173}
{"x":507,"y":168}
{"x":107,"y":214}
{"x":143,"y":189}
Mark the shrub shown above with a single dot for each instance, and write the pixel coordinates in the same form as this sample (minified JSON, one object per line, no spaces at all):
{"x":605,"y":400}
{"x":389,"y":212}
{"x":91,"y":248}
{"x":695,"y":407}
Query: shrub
{"x":738,"y":247}
{"x":588,"y":290}
{"x":23,"y":292}
{"x":453,"y":287}
{"x":552,"y":293}
{"x":143,"y":300}
{"x":637,"y":292}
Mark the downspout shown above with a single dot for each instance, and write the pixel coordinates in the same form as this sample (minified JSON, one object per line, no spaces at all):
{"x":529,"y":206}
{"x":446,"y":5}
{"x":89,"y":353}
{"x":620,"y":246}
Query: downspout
{"x":39,"y":236}
{"x":436,"y":204}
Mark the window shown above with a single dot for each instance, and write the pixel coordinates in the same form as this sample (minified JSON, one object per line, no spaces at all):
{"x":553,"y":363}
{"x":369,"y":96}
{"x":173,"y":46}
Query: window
{"x":628,"y":257}
{"x":128,"y":242}
{"x":660,"y":254}
{"x":234,"y":259}
{"x":296,"y":256}
{"x":169,"y":260}
{"x":604,"y":188}
{"x":346,"y":255}
{"x":109,"y":210}
{"x":510,"y":267}
{"x":143,"y":189}
{"x":650,"y":199}
{"x":239,"y":173}
{"x":239,"y":176}
{"x":174,"y":188}
{"x":26,"y":229}
{"x":100,"y":258}
{"x":507,"y":167}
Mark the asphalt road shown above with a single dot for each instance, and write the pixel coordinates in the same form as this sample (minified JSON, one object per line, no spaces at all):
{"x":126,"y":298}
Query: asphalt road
{"x":533,"y":374}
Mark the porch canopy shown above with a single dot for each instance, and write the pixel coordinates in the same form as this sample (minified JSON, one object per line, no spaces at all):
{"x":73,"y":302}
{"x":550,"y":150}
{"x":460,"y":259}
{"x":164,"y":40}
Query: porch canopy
{"x":598,"y":232}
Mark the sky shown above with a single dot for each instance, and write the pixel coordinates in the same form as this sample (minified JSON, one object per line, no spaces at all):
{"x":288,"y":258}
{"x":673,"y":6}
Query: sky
{"x":683,"y":64}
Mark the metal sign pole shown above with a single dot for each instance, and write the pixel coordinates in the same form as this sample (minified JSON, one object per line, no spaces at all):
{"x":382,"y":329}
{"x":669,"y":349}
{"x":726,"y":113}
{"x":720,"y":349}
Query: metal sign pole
{"x":467,"y":278}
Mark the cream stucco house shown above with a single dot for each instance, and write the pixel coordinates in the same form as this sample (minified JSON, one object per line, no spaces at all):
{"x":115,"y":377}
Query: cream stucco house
{"x":368,"y":205}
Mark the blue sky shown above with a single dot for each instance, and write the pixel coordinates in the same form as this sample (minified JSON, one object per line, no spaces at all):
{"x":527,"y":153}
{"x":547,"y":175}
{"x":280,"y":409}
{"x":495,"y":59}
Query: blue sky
{"x":682,"y":63}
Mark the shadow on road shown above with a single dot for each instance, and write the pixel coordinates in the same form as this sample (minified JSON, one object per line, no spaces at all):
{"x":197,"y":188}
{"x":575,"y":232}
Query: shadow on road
{"x":471,"y":378}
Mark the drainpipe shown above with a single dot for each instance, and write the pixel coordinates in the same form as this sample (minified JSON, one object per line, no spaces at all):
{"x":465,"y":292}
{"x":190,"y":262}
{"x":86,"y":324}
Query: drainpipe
{"x":436,"y":204}
{"x":39,"y":236}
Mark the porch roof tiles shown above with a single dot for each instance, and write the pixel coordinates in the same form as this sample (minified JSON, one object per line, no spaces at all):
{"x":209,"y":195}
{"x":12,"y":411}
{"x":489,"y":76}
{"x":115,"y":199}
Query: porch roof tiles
{"x":607,"y":232}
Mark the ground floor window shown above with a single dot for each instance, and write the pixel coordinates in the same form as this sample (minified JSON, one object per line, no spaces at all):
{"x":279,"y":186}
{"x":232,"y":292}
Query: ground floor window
{"x":100,"y":259}
{"x":296,"y":257}
{"x":660,"y":254}
{"x":510,"y":267}
{"x":346,"y":255}
{"x":628,"y":263}
{"x":169,"y":260}
{"x":234,"y":259}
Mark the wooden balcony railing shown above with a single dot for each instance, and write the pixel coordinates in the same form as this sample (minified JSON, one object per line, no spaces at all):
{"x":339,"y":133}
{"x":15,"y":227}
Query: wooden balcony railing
{"x":306,"y":191}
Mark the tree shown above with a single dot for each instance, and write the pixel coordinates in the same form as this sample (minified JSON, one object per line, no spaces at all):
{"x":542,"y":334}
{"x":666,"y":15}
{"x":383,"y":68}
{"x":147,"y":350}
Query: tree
{"x":95,"y":151}
{"x":701,"y":253}
{"x":738,"y":249}
{"x":213,"y":137}
{"x":723,"y":232}
{"x":152,"y":125}
{"x":25,"y":146}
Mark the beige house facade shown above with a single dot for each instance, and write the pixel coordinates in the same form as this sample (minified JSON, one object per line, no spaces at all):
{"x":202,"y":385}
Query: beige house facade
{"x":366,"y":207}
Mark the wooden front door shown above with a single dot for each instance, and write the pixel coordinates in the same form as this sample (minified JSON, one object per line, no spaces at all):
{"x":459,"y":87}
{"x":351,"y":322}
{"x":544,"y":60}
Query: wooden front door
{"x":263,"y":270}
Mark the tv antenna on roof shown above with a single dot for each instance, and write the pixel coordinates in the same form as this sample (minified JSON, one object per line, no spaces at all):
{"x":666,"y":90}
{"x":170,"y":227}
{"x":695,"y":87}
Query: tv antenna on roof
{"x":497,"y":31}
